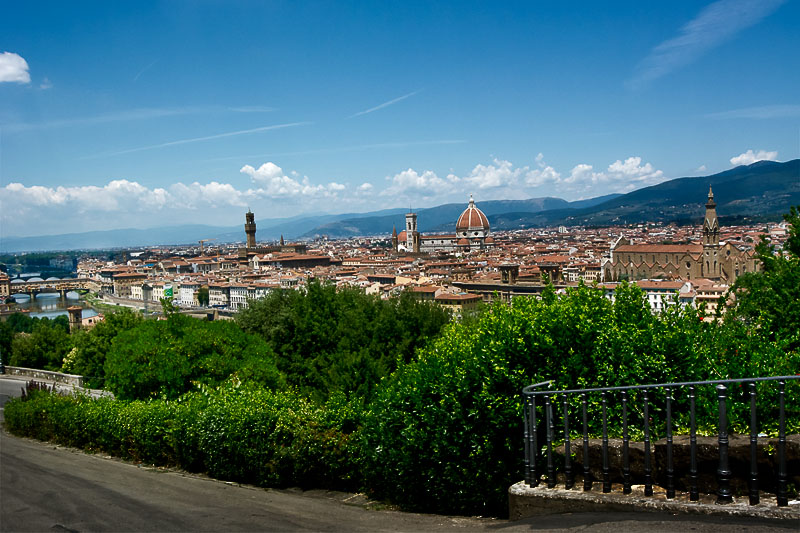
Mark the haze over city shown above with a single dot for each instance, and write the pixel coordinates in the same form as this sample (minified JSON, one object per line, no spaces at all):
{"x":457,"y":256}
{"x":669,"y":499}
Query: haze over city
{"x":117,"y":115}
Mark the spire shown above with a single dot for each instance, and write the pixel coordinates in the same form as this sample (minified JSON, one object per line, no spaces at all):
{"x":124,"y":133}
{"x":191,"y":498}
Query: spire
{"x":711,"y":224}
{"x":710,"y":202}
{"x":471,"y":201}
{"x":394,"y":230}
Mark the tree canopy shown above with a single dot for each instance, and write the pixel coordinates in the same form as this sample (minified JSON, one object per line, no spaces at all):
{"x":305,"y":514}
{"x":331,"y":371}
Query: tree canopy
{"x":341,"y":340}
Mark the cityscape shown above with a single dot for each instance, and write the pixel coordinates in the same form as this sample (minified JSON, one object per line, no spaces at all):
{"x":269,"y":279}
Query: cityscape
{"x":460,"y":270}
{"x":399,"y":266}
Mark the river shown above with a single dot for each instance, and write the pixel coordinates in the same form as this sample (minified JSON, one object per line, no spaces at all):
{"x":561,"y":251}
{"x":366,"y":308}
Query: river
{"x":51,"y":305}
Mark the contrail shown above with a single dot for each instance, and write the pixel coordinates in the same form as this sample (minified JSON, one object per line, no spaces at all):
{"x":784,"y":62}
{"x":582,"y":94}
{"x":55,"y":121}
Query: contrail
{"x":198,"y":139}
{"x":385,"y":104}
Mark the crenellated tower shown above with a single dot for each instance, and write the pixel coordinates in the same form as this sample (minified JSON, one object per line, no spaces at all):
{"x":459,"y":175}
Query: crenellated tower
{"x":250,"y":229}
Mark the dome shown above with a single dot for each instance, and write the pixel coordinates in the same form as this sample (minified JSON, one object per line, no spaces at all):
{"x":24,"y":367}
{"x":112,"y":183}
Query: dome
{"x":472,"y":220}
{"x":402,"y":236}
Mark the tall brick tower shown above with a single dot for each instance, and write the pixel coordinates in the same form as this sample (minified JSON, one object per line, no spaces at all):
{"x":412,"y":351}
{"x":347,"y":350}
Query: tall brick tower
{"x":250,"y":229}
{"x":711,"y":267}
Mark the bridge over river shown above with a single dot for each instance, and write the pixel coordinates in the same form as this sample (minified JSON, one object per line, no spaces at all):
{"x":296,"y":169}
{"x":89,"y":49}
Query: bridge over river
{"x":52,"y":285}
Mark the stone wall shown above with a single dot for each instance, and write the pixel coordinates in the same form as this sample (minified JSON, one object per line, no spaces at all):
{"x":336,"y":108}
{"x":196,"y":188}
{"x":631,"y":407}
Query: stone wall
{"x":56,"y":377}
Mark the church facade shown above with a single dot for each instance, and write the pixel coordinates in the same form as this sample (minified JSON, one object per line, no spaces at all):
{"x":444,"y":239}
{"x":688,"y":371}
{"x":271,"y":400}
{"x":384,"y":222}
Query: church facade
{"x":721,"y":262}
{"x":472,"y":233}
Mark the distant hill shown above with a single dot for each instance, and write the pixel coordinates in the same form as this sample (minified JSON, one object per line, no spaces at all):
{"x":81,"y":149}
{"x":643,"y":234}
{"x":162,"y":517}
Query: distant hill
{"x":267,"y":229}
{"x":441,"y":218}
{"x":761,"y":191}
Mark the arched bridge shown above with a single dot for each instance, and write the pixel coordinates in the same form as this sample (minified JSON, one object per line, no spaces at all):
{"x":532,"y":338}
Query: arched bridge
{"x":61,"y":286}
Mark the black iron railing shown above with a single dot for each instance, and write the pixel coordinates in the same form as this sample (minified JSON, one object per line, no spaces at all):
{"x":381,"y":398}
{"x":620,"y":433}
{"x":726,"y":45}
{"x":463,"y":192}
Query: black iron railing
{"x":540,"y":404}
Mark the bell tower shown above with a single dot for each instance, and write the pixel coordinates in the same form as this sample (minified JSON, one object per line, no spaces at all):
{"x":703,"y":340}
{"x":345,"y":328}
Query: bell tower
{"x":250,"y":229}
{"x":711,"y":224}
{"x":710,"y":261}
{"x":412,"y":235}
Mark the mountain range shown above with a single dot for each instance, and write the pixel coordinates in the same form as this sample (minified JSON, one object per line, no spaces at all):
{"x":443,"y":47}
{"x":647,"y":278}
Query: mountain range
{"x":757,"y":192}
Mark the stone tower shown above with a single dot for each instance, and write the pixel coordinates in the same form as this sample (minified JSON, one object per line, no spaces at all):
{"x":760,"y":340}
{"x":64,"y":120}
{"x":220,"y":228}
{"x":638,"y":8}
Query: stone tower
{"x":412,"y":235}
{"x":250,"y":229}
{"x":394,"y":238}
{"x":75,"y":313}
{"x":710,"y":265}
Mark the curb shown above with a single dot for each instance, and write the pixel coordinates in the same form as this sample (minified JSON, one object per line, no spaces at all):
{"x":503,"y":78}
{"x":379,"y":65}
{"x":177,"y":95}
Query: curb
{"x":524,"y":501}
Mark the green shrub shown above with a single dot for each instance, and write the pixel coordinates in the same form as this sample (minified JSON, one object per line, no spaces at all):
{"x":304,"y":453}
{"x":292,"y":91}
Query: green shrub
{"x":330,"y":340}
{"x":241,"y":433}
{"x":165,"y":358}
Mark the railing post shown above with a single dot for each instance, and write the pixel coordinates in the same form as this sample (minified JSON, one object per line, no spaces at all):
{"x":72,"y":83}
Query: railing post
{"x":626,"y":462}
{"x":754,"y":497}
{"x":648,"y":470}
{"x":606,"y":473}
{"x":527,"y":439}
{"x":693,"y":490}
{"x":587,"y":481}
{"x":782,"y":497}
{"x":535,"y":449}
{"x":723,"y":472}
{"x":670,"y":464}
{"x":568,"y":475}
{"x":551,"y":469}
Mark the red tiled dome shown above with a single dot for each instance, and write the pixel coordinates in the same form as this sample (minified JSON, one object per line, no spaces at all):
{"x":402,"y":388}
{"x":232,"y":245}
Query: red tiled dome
{"x":472,"y":219}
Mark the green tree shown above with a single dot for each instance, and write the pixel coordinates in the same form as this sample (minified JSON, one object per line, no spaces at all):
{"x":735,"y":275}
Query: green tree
{"x":769,"y":300}
{"x":6,"y":336}
{"x":21,"y":322}
{"x":202,"y":296}
{"x":164,"y":358}
{"x":91,"y":346}
{"x":330,"y":340}
{"x":43,"y":348}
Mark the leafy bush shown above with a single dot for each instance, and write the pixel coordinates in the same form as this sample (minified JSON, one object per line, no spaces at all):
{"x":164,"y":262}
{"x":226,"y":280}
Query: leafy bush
{"x":163,"y":358}
{"x":91,"y":346}
{"x":340,"y":341}
{"x":445,"y":431}
{"x":241,"y":433}
{"x":44,"y":347}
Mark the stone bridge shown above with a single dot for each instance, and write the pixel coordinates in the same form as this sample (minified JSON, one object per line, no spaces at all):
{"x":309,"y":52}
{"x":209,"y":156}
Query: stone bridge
{"x":61,"y":286}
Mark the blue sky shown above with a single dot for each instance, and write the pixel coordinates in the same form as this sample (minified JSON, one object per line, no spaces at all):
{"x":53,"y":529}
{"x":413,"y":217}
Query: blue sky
{"x":141,"y":114}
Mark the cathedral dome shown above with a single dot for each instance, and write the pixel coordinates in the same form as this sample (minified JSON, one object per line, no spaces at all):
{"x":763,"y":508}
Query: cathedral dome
{"x":472,"y":222}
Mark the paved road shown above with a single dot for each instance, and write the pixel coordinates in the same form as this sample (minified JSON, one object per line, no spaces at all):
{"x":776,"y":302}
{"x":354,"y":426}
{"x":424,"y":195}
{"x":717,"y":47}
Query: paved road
{"x":48,"y":488}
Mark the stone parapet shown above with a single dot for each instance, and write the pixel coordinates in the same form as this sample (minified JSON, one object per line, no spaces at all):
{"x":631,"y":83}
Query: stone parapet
{"x":46,"y":375}
{"x":524,"y":501}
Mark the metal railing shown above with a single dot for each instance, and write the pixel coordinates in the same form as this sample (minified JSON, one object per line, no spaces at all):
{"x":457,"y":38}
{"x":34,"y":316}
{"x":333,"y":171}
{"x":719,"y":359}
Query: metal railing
{"x":646,"y":395}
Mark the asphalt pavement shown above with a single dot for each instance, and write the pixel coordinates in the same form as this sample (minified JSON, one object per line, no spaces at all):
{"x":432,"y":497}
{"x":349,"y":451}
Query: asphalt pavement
{"x":44,"y":487}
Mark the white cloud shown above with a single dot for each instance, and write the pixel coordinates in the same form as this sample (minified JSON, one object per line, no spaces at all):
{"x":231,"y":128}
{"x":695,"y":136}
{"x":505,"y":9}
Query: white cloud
{"x":750,"y":157}
{"x":620,"y":176}
{"x":715,"y":24}
{"x":13,"y":68}
{"x":116,"y":195}
{"x":365,"y":187}
{"x":214,"y":194}
{"x":501,"y":174}
{"x":46,"y":84}
{"x":274,"y":183}
{"x":542,"y":175}
{"x":584,"y":175}
{"x":701,"y":168}
{"x":426,"y":185}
